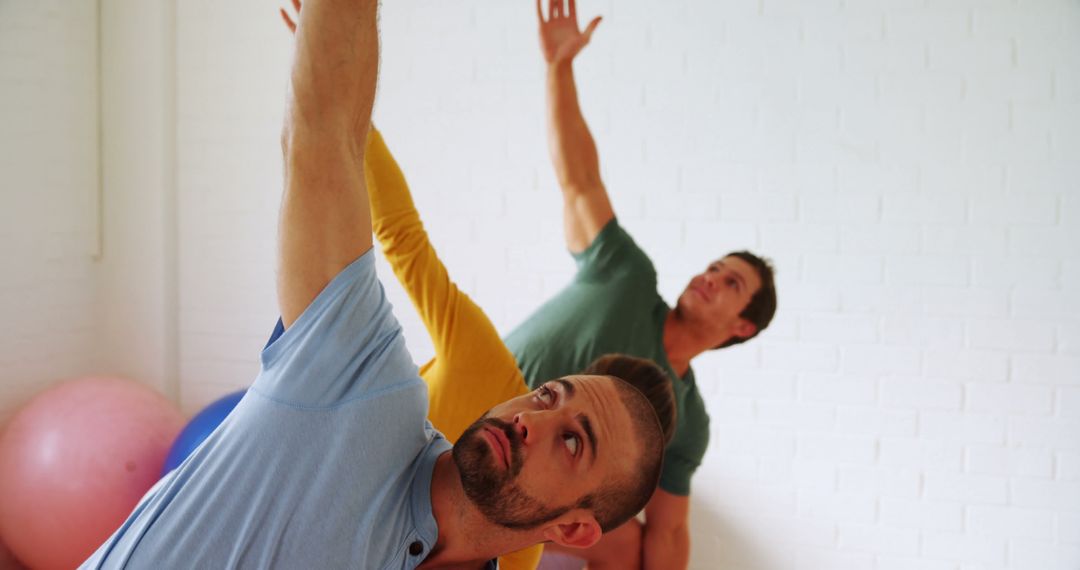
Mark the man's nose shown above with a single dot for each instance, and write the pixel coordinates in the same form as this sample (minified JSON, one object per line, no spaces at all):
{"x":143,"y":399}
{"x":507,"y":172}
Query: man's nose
{"x":529,"y":425}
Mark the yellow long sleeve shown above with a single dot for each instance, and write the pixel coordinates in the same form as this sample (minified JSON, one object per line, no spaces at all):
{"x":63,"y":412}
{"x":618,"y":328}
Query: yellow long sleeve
{"x":472,"y":370}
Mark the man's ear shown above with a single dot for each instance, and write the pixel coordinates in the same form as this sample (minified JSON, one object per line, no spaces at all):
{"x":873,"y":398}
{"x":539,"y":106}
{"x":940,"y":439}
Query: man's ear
{"x":576,"y":529}
{"x":744,"y":328}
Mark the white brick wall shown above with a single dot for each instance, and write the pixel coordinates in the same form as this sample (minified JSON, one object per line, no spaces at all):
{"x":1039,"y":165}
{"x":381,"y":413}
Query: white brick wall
{"x":910,"y":167}
{"x":48,"y":216}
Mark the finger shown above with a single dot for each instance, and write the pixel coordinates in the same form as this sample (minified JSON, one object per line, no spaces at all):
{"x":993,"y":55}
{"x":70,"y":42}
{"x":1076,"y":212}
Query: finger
{"x":573,"y":10}
{"x":540,"y":10}
{"x":592,"y":27}
{"x":296,"y":6}
{"x":288,"y":21}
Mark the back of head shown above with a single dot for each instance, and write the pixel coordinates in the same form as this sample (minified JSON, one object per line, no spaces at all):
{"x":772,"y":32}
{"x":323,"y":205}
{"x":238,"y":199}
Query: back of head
{"x":653,"y":423}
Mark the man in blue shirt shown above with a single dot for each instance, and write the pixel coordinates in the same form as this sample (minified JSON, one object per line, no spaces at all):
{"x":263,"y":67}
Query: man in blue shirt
{"x":328,"y":461}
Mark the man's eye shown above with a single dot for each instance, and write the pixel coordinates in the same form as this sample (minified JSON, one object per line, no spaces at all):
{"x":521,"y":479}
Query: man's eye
{"x":545,"y":395}
{"x":571,"y":441}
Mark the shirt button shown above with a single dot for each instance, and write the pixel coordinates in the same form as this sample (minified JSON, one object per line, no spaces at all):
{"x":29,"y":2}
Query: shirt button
{"x":416,"y":548}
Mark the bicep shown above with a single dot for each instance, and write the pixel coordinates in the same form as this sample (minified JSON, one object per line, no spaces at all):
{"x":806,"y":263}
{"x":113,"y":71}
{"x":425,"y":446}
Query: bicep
{"x":325,"y":222}
{"x":585,"y":213}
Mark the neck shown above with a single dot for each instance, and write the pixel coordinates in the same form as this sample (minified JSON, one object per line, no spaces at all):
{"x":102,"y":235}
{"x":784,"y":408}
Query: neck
{"x":681,"y":343}
{"x":466,"y":538}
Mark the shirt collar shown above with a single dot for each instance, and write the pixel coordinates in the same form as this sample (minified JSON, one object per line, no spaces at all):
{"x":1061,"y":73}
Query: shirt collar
{"x":427,"y":528}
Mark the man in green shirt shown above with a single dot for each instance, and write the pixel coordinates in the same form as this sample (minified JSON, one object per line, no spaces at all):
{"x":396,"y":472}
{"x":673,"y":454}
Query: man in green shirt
{"x":612,"y":305}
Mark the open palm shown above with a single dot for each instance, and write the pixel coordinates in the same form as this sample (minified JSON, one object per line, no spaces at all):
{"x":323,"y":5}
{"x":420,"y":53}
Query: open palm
{"x":560,"y":37}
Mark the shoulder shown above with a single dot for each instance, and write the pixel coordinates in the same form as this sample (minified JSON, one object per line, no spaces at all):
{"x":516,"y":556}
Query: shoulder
{"x":613,"y":253}
{"x":347,"y":345}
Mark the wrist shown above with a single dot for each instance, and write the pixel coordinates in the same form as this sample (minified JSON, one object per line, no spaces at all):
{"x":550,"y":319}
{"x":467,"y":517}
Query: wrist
{"x":561,"y":67}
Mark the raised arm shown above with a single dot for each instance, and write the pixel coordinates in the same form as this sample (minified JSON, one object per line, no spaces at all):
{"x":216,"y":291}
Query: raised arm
{"x":586,"y":207}
{"x":325,"y":223}
{"x":461,"y":332}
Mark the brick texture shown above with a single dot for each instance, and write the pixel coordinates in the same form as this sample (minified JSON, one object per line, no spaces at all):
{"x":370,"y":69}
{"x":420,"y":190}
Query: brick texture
{"x":910,"y":168}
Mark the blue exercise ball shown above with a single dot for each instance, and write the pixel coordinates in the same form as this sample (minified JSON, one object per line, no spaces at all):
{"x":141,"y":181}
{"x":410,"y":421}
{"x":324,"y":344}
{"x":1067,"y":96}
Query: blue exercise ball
{"x":199,"y":428}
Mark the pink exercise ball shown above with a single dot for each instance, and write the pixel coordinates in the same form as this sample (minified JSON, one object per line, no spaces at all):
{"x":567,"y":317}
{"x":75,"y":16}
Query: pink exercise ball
{"x":74,"y":461}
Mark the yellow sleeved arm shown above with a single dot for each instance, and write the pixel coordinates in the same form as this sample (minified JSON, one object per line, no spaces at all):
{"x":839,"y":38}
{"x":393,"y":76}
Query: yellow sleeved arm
{"x":472,"y":370}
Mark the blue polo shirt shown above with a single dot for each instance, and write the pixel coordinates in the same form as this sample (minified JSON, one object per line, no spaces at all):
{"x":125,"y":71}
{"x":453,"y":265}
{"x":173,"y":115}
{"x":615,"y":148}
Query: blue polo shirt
{"x":325,"y":463}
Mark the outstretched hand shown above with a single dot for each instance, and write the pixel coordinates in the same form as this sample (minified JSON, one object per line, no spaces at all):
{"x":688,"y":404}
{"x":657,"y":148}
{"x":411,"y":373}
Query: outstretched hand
{"x":289,"y":22}
{"x":560,"y":37}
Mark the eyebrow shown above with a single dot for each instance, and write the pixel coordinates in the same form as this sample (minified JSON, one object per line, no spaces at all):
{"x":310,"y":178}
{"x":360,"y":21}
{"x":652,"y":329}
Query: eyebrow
{"x":568,"y":387}
{"x":738,"y":276}
{"x":740,"y":279}
{"x":586,"y":425}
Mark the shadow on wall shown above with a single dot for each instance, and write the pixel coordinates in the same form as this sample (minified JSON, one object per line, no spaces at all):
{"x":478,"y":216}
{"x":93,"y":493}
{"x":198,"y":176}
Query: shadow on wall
{"x":7,"y":559}
{"x":716,"y":543}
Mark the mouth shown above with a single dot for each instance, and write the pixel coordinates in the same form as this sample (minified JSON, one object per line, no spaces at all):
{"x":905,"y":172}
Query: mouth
{"x":499,"y":443}
{"x":701,"y":292}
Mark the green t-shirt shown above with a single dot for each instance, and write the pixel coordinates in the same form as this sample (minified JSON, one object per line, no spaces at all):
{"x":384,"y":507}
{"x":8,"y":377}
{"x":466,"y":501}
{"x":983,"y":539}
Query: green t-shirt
{"x":612,"y":306}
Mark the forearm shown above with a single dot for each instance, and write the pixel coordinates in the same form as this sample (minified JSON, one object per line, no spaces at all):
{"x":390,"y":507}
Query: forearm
{"x":404,"y":241}
{"x":325,"y":222}
{"x":407,"y":248}
{"x":572,"y":148}
{"x":335,"y":66}
{"x":392,"y":209}
{"x":665,"y":548}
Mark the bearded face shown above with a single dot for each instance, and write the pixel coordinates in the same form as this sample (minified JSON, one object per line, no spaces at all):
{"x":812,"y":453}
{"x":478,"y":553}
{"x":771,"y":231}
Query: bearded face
{"x":490,"y":480}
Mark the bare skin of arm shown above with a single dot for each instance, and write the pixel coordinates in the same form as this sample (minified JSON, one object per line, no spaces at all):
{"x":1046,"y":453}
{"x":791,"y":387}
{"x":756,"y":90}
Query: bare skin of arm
{"x":325,"y":222}
{"x":664,"y":540}
{"x":586,"y":207}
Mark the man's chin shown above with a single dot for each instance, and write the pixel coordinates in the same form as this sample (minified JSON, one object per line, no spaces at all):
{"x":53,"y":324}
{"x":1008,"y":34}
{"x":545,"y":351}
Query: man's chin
{"x":683,"y":307}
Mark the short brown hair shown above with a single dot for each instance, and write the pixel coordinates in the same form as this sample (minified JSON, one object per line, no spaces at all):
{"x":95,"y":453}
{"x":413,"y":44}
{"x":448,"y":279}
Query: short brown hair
{"x":646,"y":392}
{"x":648,"y":378}
{"x":762,"y":306}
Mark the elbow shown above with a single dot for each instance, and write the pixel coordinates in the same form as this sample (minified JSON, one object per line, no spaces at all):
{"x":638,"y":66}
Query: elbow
{"x":303,"y":140}
{"x":579,"y":177}
{"x":308,"y":113}
{"x":335,"y":106}
{"x":579,"y":193}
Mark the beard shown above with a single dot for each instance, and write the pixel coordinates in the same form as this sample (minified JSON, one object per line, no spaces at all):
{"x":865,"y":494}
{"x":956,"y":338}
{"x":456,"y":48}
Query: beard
{"x":494,"y":491}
